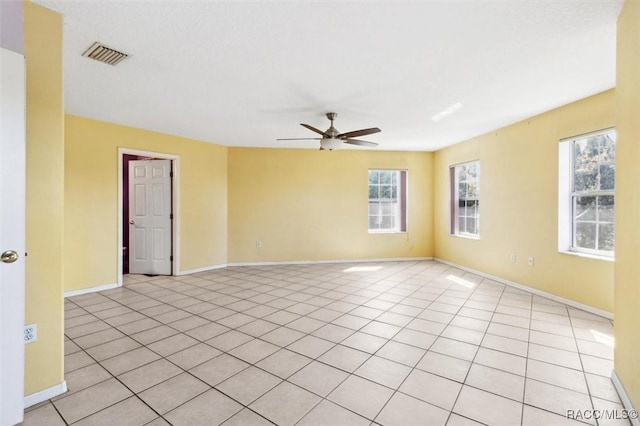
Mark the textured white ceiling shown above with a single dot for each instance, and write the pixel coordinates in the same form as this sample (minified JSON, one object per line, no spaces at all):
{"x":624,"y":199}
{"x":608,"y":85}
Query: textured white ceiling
{"x":241,"y":73}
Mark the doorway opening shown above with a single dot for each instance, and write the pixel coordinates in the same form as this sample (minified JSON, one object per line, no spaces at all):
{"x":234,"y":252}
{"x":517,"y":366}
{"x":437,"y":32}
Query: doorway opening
{"x":140,"y":236}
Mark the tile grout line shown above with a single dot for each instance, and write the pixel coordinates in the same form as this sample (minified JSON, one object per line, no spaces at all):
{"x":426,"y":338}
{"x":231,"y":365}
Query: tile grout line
{"x":328,"y":286}
{"x":350,"y":374}
{"x":484,"y":334}
{"x":95,"y":384}
{"x":526,"y":366}
{"x":162,"y":357}
{"x":584,"y":373}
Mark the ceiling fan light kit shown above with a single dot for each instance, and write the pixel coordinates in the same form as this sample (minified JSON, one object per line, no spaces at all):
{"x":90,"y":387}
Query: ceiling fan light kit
{"x":330,"y":143}
{"x":332,"y":138}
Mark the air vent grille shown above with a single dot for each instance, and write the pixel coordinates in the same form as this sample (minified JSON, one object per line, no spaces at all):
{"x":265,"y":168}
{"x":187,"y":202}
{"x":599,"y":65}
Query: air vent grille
{"x":105,"y":54}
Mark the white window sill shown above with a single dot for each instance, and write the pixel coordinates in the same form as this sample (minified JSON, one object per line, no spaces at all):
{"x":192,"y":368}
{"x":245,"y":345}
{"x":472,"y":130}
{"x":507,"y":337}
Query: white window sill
{"x":386,"y":232}
{"x":588,"y":255}
{"x":468,"y":237}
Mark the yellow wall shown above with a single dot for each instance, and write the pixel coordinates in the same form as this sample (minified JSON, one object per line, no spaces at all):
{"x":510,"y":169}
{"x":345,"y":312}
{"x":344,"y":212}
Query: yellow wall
{"x":91,"y":198}
{"x":312,"y":205}
{"x":519,"y":204}
{"x":45,"y":196}
{"x":627,"y":268}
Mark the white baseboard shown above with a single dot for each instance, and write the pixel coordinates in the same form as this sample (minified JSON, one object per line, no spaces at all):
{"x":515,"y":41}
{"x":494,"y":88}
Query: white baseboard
{"x":45,"y":394}
{"x":204,"y":269}
{"x":103,"y":287}
{"x":624,"y":397}
{"x":569,"y":302}
{"x":312,"y":262}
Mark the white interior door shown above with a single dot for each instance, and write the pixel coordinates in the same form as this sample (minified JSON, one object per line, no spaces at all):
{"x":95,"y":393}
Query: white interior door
{"x":150,"y":217}
{"x":12,"y":236}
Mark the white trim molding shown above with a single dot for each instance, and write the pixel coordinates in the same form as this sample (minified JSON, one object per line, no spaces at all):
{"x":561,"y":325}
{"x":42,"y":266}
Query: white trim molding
{"x":567,"y":194}
{"x":311,"y":262}
{"x":45,"y":394}
{"x":565,"y":179}
{"x":624,"y":397}
{"x":204,"y":269}
{"x":95,"y":289}
{"x":569,"y":302}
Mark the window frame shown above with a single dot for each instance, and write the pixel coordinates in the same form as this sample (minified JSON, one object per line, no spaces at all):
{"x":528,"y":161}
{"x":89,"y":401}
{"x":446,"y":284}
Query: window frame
{"x":401,"y":213}
{"x":454,"y":216}
{"x":567,"y":198}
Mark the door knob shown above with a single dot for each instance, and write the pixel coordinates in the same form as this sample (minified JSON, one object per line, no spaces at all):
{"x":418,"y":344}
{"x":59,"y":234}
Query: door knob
{"x":132,"y":222}
{"x":9,"y":256}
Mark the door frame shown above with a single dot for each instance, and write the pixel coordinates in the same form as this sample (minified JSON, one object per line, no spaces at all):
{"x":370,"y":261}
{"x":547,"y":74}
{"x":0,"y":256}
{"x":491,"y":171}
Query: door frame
{"x":175,"y":205}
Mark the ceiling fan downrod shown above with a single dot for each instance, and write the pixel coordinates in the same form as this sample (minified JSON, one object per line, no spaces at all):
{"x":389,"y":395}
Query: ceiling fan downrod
{"x":332,"y":132}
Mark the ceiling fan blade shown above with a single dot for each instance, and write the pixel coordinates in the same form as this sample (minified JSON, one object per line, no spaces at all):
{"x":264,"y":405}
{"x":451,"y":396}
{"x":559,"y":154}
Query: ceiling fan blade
{"x":359,"y":142}
{"x":356,"y":133}
{"x":313,"y":129}
{"x":299,"y":139}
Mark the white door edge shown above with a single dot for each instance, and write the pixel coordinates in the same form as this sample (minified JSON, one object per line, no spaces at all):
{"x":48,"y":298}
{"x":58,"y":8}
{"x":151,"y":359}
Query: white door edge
{"x":12,"y":234}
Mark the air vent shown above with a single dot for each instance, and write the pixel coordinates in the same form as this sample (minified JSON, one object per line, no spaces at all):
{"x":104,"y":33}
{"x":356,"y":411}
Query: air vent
{"x":105,"y":54}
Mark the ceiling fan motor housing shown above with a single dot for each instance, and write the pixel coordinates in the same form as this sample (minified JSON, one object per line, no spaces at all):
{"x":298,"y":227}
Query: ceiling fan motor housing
{"x":332,"y":132}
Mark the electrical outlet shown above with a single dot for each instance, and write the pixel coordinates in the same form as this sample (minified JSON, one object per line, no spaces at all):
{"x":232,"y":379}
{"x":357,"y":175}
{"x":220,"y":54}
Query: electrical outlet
{"x":259,"y":244}
{"x":513,"y":257}
{"x":30,"y":333}
{"x":530,"y":261}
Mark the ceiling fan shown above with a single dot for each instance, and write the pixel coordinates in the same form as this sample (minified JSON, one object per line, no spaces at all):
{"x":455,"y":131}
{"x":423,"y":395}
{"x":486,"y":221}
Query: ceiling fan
{"x":332,"y":138}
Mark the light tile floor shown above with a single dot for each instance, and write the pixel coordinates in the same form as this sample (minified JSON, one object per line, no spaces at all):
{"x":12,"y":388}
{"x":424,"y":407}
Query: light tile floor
{"x":395,"y":343}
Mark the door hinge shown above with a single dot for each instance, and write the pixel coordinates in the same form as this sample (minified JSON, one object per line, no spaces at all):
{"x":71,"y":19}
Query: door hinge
{"x":171,"y":216}
{"x":171,"y":258}
{"x":170,"y":174}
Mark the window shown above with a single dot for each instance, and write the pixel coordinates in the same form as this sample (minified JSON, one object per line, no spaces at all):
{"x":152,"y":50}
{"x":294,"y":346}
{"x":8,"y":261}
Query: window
{"x":465,"y":199}
{"x":586,"y":220}
{"x":387,"y":200}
